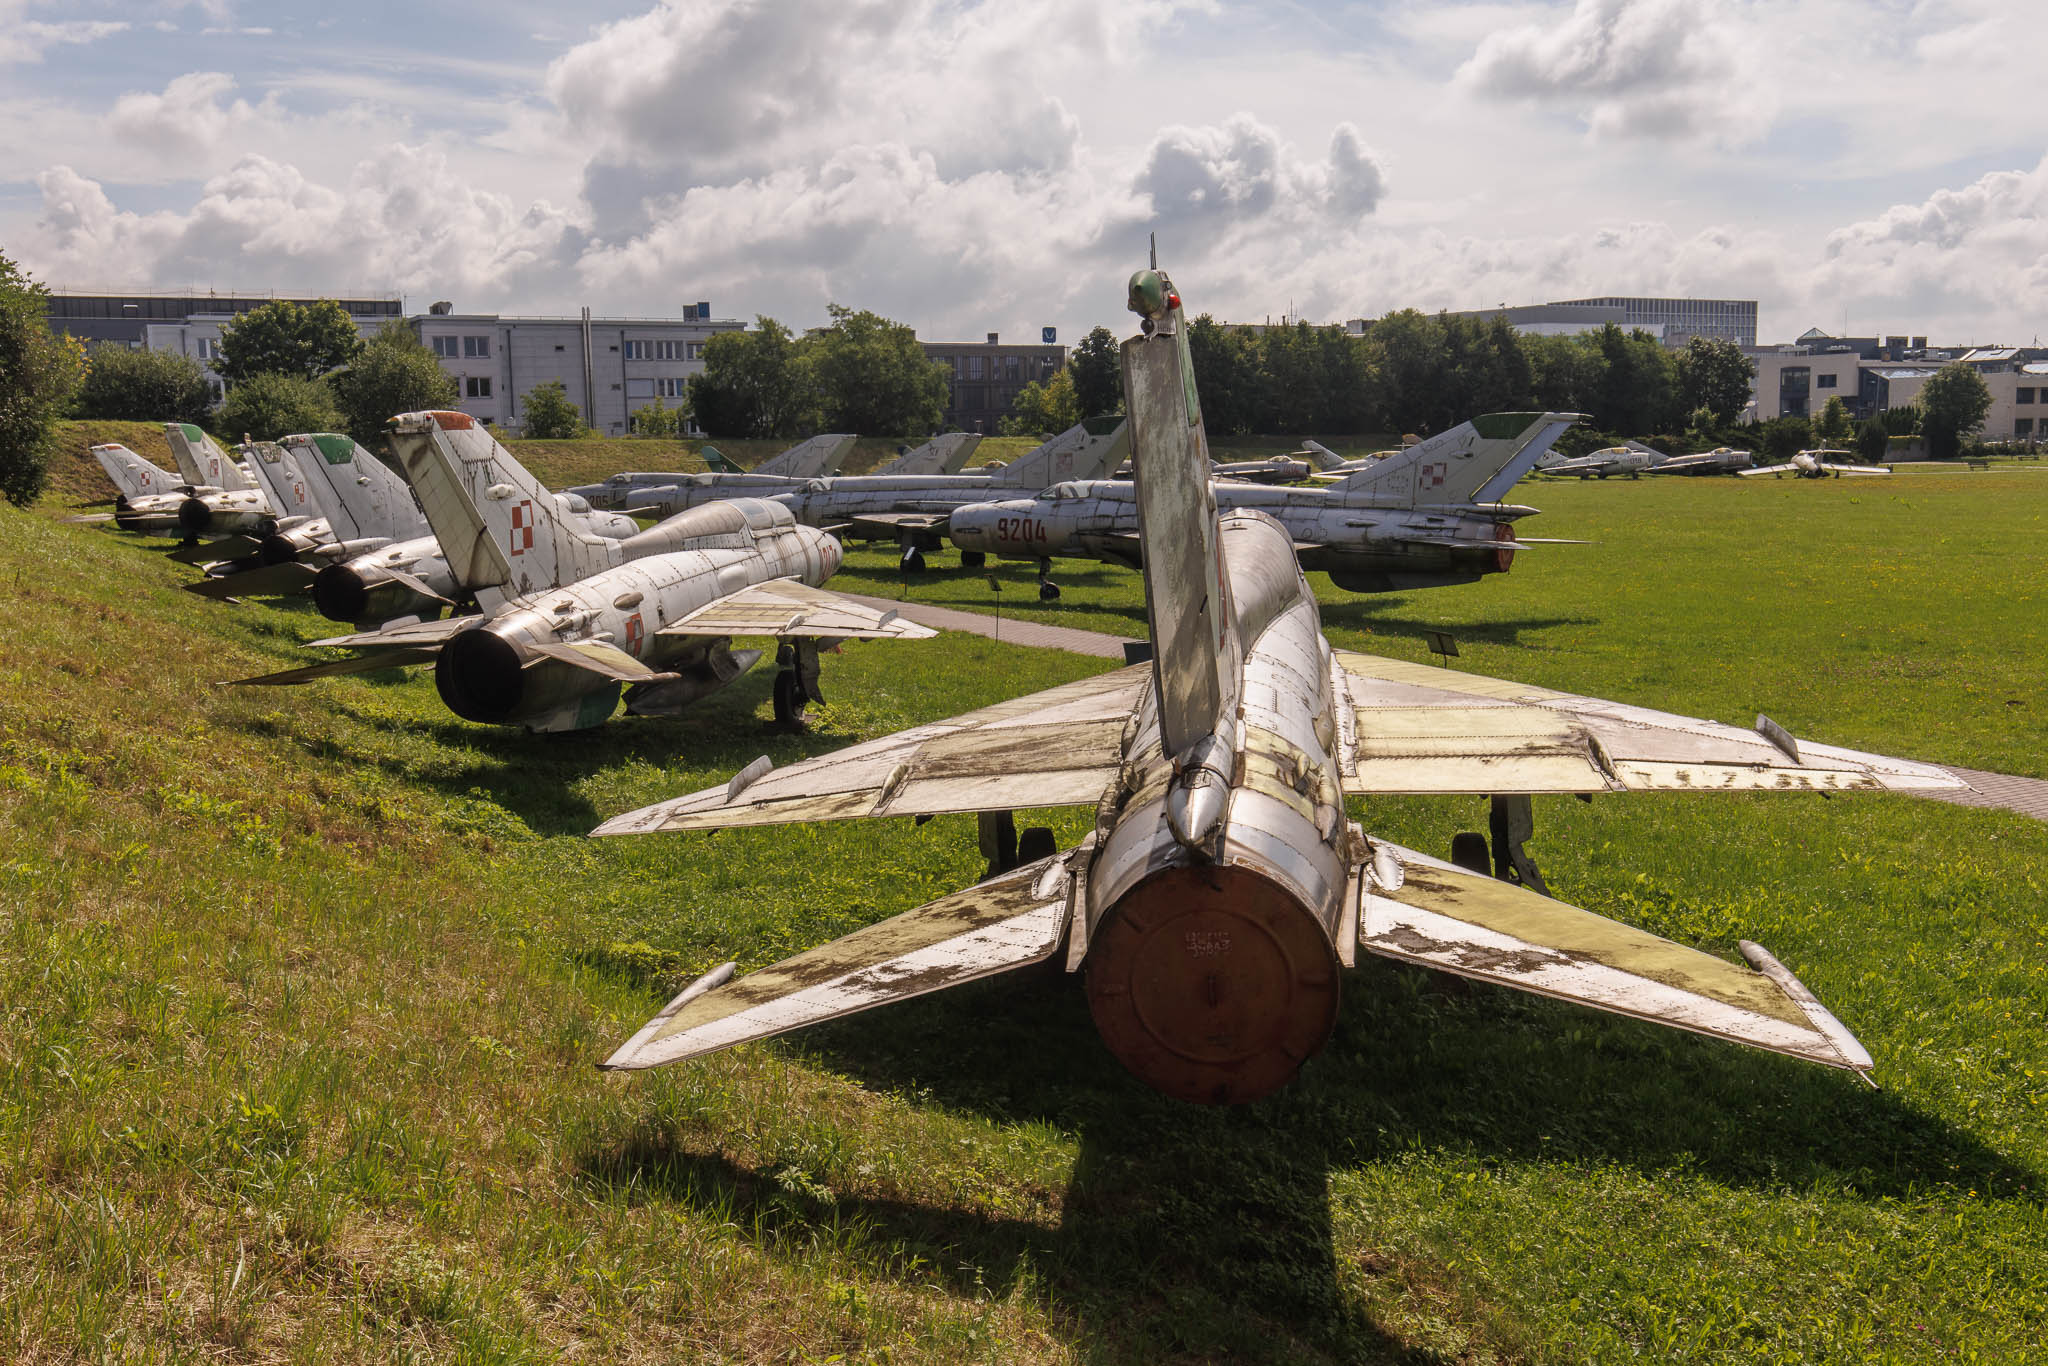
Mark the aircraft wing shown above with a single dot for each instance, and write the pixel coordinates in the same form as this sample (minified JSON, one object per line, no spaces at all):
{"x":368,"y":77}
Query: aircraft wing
{"x":420,"y":633}
{"x":1445,"y":917}
{"x":884,"y":525}
{"x":1856,"y":469}
{"x":1414,"y":728}
{"x":1060,"y":747}
{"x":269,"y":580}
{"x":1755,"y":470}
{"x":790,"y":607}
{"x":1679,"y":464}
{"x":354,"y":664}
{"x":1005,"y":923}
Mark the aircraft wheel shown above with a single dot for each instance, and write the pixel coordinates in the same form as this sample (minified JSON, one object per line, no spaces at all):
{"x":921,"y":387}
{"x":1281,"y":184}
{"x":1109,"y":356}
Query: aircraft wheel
{"x":789,"y":699}
{"x":1469,"y":851}
{"x":913,"y":561}
{"x":1048,"y":592}
{"x":973,"y":559}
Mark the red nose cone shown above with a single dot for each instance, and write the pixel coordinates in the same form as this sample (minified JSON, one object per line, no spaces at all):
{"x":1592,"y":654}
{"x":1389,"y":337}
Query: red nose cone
{"x":1212,"y":985}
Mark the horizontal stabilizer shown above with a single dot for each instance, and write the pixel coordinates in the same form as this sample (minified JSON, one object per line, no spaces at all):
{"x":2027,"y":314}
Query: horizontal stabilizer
{"x":1445,"y":917}
{"x":416,"y":584}
{"x":1006,"y":923}
{"x":270,"y":580}
{"x":403,"y":633}
{"x":356,"y":664}
{"x":1060,"y":747}
{"x":791,"y":607}
{"x":1411,"y":728}
{"x":606,"y":660}
{"x":208,"y":552}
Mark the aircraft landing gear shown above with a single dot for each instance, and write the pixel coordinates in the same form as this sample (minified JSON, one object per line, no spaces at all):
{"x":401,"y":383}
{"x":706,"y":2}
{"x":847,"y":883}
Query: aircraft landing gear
{"x":973,"y":559}
{"x":1048,"y":591}
{"x":1004,"y":848}
{"x":796,"y":682}
{"x":1511,"y":821}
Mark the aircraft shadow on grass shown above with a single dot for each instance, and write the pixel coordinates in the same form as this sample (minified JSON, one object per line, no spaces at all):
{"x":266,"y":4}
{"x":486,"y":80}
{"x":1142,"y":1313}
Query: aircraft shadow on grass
{"x":1208,"y":1233}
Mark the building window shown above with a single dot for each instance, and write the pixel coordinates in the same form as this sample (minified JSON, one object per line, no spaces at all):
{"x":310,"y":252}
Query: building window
{"x":2018,"y":395}
{"x":476,"y":388}
{"x":974,"y":367}
{"x":446,"y":347}
{"x":639,"y":388}
{"x":671,"y":388}
{"x":474,"y":347}
{"x":1824,"y":381}
{"x":1010,"y":366}
{"x":2023,"y":426}
{"x":209,"y":349}
{"x":695,"y":351}
{"x":636,"y":350}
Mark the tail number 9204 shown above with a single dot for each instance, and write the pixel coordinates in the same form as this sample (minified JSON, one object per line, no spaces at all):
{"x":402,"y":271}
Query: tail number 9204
{"x":1023,"y":529}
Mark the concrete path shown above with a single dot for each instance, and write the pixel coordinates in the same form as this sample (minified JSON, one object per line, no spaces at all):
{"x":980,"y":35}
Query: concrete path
{"x":2028,"y":796}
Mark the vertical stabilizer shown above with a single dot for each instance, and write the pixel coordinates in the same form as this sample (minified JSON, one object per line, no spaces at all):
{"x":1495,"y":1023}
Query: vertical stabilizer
{"x":1086,"y":450}
{"x":1321,"y":456}
{"x":715,"y":461}
{"x":202,"y":461}
{"x":361,"y":496}
{"x":283,"y":484}
{"x":812,"y":459}
{"x":1473,"y":462}
{"x":499,"y":526}
{"x":133,"y":476}
{"x":943,"y":454}
{"x":1187,"y":598}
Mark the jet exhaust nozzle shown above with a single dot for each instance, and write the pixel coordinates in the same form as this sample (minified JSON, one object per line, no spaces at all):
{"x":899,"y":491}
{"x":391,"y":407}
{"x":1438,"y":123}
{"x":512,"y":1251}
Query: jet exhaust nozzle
{"x":1212,"y":983}
{"x":194,"y":516}
{"x":342,"y":592}
{"x":480,"y":676}
{"x":276,"y":549}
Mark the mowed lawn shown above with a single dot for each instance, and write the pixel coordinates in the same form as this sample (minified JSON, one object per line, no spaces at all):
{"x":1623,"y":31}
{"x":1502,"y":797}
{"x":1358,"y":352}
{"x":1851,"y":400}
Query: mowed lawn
{"x":305,"y":988}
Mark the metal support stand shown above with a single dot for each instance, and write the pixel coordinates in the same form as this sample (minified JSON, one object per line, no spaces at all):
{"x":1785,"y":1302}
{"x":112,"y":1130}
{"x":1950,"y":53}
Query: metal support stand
{"x":997,"y":831}
{"x":1512,"y":821}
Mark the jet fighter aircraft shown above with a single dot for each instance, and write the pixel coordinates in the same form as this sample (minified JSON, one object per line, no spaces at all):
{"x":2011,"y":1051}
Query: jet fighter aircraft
{"x":812,"y":459}
{"x":911,"y":510}
{"x":1818,"y":464}
{"x":1420,"y":519}
{"x":946,"y":453}
{"x":223,"y":496}
{"x":1223,"y":890}
{"x":1720,"y":460}
{"x":142,"y":489}
{"x":1630,"y":458}
{"x":570,"y":617}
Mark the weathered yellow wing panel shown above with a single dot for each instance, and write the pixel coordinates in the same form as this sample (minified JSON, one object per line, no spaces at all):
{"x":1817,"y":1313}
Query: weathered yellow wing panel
{"x":1059,"y":747}
{"x":1418,"y":729}
{"x":790,"y":607}
{"x":996,"y":926}
{"x":1449,"y":918}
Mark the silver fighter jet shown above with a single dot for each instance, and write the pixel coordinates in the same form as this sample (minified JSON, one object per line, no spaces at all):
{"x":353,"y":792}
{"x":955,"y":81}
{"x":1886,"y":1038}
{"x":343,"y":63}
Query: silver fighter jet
{"x":569,"y":618}
{"x":1224,"y":889}
{"x":1420,"y":519}
{"x":1720,"y":460}
{"x":1818,"y":464}
{"x":1631,"y":458}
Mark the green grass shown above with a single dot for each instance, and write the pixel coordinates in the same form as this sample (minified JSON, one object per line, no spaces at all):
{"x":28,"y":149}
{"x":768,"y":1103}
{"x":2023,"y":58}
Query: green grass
{"x":304,"y":988}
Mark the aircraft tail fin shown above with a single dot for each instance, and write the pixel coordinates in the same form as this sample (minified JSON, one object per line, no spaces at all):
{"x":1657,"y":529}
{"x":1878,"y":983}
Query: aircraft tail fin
{"x":277,"y":471}
{"x":202,"y":461}
{"x":133,"y":476}
{"x":1473,"y":462}
{"x":1187,"y":596}
{"x":1321,"y":456}
{"x":715,"y":461}
{"x":811,"y":459}
{"x":943,"y":454}
{"x":1086,"y":450}
{"x":362,"y":497}
{"x":501,"y":529}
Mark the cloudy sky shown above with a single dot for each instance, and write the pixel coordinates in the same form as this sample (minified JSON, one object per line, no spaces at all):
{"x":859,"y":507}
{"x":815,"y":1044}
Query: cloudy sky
{"x":975,"y":167}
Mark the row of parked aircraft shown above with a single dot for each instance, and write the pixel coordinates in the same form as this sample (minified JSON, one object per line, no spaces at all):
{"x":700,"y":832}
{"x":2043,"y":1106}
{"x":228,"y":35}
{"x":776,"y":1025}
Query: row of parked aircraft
{"x":1224,"y":884}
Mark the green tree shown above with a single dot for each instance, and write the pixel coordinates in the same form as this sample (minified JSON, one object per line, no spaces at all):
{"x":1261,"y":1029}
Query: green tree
{"x":550,"y":416}
{"x":1952,"y":405}
{"x":39,"y":371}
{"x":755,"y":384}
{"x":394,"y":373}
{"x":1227,"y":374}
{"x":266,"y":407}
{"x":1901,"y":421}
{"x":1565,"y":373}
{"x":284,"y":338}
{"x":1051,"y":406}
{"x":1412,"y":360}
{"x":1098,"y":374}
{"x":657,"y":420}
{"x":1714,"y":374}
{"x":1834,"y":424}
{"x":873,"y":377}
{"x":1638,"y":390}
{"x":1873,"y":443}
{"x":145,"y":386}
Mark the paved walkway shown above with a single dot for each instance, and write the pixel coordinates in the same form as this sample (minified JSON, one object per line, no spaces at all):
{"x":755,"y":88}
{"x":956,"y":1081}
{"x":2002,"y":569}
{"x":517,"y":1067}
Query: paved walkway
{"x":1008,"y":629}
{"x":2028,"y":796}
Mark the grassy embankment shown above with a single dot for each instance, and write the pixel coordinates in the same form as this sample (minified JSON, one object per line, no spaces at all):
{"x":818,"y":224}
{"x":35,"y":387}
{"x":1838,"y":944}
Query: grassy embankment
{"x":304,"y":989}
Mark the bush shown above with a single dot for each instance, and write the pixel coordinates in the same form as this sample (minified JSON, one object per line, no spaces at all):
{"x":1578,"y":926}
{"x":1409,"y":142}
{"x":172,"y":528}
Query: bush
{"x":550,"y":416}
{"x":146,"y":386}
{"x":394,"y":373}
{"x":267,"y":407}
{"x":39,"y":371}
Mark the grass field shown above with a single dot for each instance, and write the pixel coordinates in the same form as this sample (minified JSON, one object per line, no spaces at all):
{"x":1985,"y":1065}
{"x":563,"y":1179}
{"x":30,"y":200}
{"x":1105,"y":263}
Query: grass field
{"x":304,"y":989}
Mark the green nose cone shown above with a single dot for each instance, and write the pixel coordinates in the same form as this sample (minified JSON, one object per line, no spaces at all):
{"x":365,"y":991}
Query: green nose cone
{"x":1148,"y":294}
